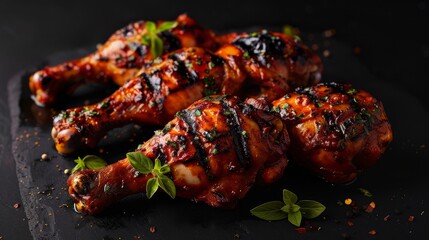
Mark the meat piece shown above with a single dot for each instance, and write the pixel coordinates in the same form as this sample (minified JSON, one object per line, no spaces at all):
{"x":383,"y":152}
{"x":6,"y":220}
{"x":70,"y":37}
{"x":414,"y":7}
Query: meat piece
{"x":258,"y":64}
{"x":217,"y":149}
{"x":336,"y":130}
{"x":117,"y":60}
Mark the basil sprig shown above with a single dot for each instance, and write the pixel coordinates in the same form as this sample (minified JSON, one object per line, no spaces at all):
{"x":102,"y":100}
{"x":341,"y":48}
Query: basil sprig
{"x":152,"y":39}
{"x":291,"y":209}
{"x":145,"y":165}
{"x":89,"y":161}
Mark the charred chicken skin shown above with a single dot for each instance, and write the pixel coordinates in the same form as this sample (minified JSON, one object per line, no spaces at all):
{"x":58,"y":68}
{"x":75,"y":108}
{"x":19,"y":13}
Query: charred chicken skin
{"x":117,"y":60}
{"x":217,"y":149}
{"x":336,"y":130}
{"x":263,"y":63}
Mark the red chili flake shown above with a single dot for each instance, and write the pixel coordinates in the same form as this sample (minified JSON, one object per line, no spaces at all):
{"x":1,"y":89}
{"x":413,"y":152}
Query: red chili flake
{"x":372,"y":232}
{"x":350,"y":223}
{"x":137,"y":237}
{"x":411,"y":218}
{"x":370,"y":207}
{"x":16,"y":205}
{"x":301,"y":230}
{"x":152,"y":229}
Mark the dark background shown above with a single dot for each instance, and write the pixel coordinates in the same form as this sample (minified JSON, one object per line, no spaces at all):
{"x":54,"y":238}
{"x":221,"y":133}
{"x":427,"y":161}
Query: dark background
{"x":393,"y":39}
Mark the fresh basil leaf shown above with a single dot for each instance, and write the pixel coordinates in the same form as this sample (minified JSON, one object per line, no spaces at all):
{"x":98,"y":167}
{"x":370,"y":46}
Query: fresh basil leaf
{"x":295,"y":218}
{"x":295,"y":208}
{"x":289,"y":197}
{"x":146,"y":40}
{"x":290,"y":208}
{"x":165,"y":169}
{"x":311,"y":209}
{"x":157,"y":164}
{"x":151,"y":27}
{"x":167,"y":185}
{"x":140,"y":162}
{"x":151,"y":187}
{"x":156,"y":46}
{"x":79,"y":166}
{"x":166,"y":26}
{"x":94,"y":162}
{"x":269,"y":211}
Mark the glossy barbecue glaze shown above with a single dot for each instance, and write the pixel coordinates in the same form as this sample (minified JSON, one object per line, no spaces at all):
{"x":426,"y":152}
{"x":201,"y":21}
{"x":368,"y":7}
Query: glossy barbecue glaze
{"x":217,"y":149}
{"x":259,"y":64}
{"x":117,"y":60}
{"x":336,"y":130}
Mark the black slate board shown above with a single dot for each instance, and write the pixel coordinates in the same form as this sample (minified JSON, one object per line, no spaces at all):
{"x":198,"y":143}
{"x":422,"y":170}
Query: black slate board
{"x":397,"y":183}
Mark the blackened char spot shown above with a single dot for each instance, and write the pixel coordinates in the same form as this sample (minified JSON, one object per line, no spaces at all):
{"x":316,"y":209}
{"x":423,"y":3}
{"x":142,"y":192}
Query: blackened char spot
{"x":300,"y":55}
{"x":126,"y":31}
{"x":153,"y":82}
{"x":261,"y":45}
{"x":171,"y":42}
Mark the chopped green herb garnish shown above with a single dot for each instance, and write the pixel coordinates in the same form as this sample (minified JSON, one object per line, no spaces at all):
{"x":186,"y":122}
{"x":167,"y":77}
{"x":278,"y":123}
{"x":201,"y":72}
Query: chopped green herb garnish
{"x":197,"y":112}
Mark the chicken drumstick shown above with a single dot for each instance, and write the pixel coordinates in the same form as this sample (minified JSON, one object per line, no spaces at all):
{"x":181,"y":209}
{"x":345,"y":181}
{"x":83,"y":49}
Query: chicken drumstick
{"x":263,"y":63}
{"x":117,"y":60}
{"x":217,"y":149}
{"x":336,"y":130}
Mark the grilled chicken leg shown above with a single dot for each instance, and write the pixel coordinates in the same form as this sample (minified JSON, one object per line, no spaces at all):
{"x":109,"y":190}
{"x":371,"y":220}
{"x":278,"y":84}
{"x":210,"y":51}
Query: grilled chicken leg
{"x":217,"y":149}
{"x":257,"y":64}
{"x":336,"y":130}
{"x":118,"y":60}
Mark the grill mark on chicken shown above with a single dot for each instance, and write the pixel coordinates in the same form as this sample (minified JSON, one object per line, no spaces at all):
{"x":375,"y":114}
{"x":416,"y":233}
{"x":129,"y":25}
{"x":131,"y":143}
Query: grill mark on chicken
{"x":188,"y":118}
{"x":239,"y":136}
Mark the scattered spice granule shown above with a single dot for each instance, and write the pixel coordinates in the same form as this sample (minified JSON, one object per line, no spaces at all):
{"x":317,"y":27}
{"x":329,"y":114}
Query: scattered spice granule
{"x":152,"y":229}
{"x":423,"y":212}
{"x":315,"y":47}
{"x":329,"y":33}
{"x":348,"y":201}
{"x":44,"y":157}
{"x":16,"y":205}
{"x":372,"y":232}
{"x":357,"y":50}
{"x":345,"y":236}
{"x":350,"y":223}
{"x":236,"y":236}
{"x":386,"y":218}
{"x":326,"y":53}
{"x":411,"y":218}
{"x":136,"y":237}
{"x":66,"y":171}
{"x":301,"y":230}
